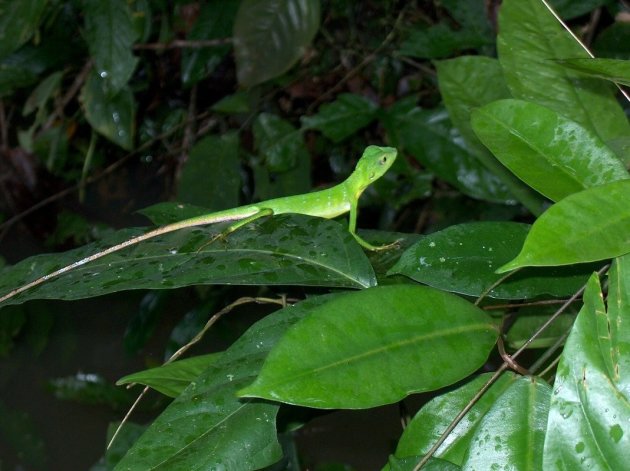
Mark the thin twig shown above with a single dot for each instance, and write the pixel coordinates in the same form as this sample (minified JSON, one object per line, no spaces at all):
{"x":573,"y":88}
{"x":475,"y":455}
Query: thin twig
{"x":183,"y":44}
{"x":282,"y":301}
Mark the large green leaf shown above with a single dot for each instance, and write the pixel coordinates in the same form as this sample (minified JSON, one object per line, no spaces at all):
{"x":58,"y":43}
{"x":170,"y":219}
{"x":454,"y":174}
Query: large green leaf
{"x":411,"y":338}
{"x":436,"y":415}
{"x":584,"y":227}
{"x":207,"y":426}
{"x":215,"y":21}
{"x":463,"y":259}
{"x":529,"y":43}
{"x":211,"y":176}
{"x":343,"y":117}
{"x":271,"y":35}
{"x":110,"y":35}
{"x":615,"y":70}
{"x":511,"y":435}
{"x":111,"y":116}
{"x":589,"y":418}
{"x":552,"y":154}
{"x":285,"y":249}
{"x":18,"y":22}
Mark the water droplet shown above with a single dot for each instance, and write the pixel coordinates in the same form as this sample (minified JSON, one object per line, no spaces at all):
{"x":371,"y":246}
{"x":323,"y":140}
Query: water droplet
{"x":103,"y":74}
{"x":431,"y":244}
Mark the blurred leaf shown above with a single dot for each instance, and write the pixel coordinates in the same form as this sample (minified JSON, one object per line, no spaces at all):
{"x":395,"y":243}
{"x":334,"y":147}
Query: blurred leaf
{"x":20,"y":432}
{"x":281,"y":145}
{"x":271,"y":35}
{"x":110,"y":34}
{"x":615,"y":70}
{"x":92,"y":389}
{"x":440,"y":40}
{"x":42,"y":93}
{"x":343,"y":117}
{"x":466,"y":83}
{"x":164,"y":213}
{"x":587,"y":226}
{"x":611,"y":42}
{"x":412,"y":338}
{"x":528,"y":320}
{"x":142,"y":19}
{"x":142,"y":324}
{"x":437,"y":414}
{"x":552,"y":154}
{"x":530,"y":41}
{"x":113,"y":117}
{"x":215,"y":21}
{"x":172,"y":378}
{"x":590,"y":412}
{"x":237,"y":103}
{"x":568,"y":9}
{"x":512,"y":433}
{"x":18,"y":22}
{"x":463,"y":259}
{"x":211,"y":176}
{"x":430,"y":138}
{"x":240,"y":434}
{"x":269,"y":184}
{"x":280,"y":250}
{"x":11,"y":323}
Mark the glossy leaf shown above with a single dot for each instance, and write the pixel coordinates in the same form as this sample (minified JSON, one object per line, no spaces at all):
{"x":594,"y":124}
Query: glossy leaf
{"x":409,"y":464}
{"x":436,"y":415}
{"x":215,"y":21}
{"x":584,"y":227}
{"x":590,"y":413}
{"x":211,"y":176}
{"x":529,"y":320}
{"x":412,"y":338}
{"x":171,"y":379}
{"x":512,"y":433}
{"x":113,"y":117}
{"x":463,"y":259}
{"x":343,"y":117}
{"x":271,"y":35}
{"x":281,"y":145}
{"x":18,"y":22}
{"x":466,"y":83}
{"x":429,"y":136}
{"x":207,"y":425}
{"x":552,"y":154}
{"x":286,"y":249}
{"x":530,"y":41}
{"x":110,"y":35}
{"x":615,"y":70}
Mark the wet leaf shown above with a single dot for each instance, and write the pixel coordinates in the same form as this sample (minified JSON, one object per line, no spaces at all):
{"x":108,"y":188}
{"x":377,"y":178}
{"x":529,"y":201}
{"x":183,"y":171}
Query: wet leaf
{"x":436,"y":415}
{"x":343,"y":117}
{"x":589,"y":415}
{"x":512,"y":433}
{"x":127,"y":435}
{"x":530,"y":41}
{"x":113,"y":117}
{"x":171,"y":379}
{"x":463,"y":259}
{"x":271,"y":35}
{"x":552,"y":154}
{"x":412,"y":338}
{"x":584,"y":227}
{"x":110,"y":35}
{"x":207,"y":425}
{"x":281,"y":250}
{"x":18,"y":22}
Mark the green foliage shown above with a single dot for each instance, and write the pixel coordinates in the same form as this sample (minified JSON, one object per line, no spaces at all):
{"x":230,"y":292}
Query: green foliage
{"x":513,"y":157}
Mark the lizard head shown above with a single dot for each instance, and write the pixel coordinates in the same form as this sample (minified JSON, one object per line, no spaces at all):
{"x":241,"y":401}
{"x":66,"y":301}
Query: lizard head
{"x":373,"y":164}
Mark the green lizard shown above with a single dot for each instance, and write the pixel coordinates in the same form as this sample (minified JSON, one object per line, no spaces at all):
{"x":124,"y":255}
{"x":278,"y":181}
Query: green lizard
{"x":328,"y":203}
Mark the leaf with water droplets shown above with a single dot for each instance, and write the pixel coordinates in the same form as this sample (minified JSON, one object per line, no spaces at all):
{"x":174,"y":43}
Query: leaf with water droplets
{"x":589,"y":418}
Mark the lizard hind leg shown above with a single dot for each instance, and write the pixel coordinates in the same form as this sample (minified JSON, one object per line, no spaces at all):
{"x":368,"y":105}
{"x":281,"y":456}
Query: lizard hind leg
{"x":236,"y":226}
